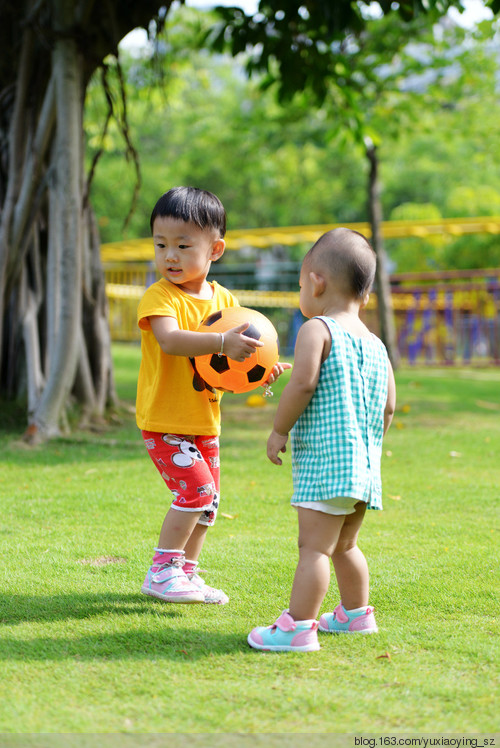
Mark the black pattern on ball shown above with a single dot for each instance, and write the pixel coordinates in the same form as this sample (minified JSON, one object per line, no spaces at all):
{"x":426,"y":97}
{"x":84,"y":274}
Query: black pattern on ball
{"x":213,"y":318}
{"x":252,"y":332}
{"x":256,"y":374}
{"x":219,"y":363}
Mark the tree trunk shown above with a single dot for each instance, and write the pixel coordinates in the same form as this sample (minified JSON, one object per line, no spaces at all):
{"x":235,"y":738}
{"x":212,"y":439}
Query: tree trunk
{"x":66,"y":190}
{"x":54,"y":336}
{"x":382,"y":282}
{"x":49,"y":248}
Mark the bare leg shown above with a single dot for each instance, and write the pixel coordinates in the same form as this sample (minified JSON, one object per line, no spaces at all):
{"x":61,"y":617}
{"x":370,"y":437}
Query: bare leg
{"x":195,"y":543}
{"x":177,"y":529}
{"x":318,"y":536}
{"x":349,"y":562}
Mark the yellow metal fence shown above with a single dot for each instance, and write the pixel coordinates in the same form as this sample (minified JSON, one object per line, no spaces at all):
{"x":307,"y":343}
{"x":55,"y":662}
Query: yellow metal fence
{"x":142,"y":249}
{"x":451,"y":320}
{"x":451,"y":317}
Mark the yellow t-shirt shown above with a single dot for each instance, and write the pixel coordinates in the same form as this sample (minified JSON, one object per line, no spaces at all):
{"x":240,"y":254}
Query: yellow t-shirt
{"x":166,"y":398}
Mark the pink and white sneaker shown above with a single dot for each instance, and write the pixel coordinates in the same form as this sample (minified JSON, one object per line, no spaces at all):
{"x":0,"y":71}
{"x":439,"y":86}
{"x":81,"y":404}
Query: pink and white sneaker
{"x":168,"y":582}
{"x":342,"y":621}
{"x":211,"y":594}
{"x":286,"y":635}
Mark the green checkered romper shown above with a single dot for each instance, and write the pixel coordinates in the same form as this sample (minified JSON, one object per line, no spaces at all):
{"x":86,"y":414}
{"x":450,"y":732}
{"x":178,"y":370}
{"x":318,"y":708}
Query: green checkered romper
{"x":337,"y":441}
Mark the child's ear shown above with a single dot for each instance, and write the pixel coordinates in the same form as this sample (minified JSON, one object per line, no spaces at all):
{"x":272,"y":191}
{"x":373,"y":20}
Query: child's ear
{"x":218,"y":248}
{"x":318,"y":284}
{"x":365,"y":301}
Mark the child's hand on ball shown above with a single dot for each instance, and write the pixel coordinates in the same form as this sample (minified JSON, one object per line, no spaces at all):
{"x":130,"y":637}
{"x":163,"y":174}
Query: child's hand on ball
{"x":277,"y":371}
{"x":237,"y":346}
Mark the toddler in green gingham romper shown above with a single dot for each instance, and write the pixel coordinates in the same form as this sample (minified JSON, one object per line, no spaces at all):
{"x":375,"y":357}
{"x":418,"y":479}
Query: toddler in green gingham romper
{"x":336,"y":408}
{"x":337,"y":441}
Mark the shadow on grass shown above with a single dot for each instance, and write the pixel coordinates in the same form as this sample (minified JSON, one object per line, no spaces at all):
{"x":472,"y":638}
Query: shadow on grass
{"x":176,"y":644}
{"x":165,"y":641}
{"x":16,"y":609}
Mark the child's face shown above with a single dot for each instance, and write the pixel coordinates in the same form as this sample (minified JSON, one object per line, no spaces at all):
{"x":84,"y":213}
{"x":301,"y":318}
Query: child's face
{"x":184,"y":252}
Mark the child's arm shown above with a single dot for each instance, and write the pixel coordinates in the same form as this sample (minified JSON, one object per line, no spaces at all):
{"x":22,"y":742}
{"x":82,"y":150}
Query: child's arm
{"x":390,"y":405}
{"x":176,"y":342}
{"x":312,"y":339}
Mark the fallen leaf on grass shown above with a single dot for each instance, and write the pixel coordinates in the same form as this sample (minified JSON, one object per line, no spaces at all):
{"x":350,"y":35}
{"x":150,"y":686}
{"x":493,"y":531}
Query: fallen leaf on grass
{"x":385,"y":656}
{"x":394,"y":498}
{"x":228,"y":516}
{"x":455,"y":454}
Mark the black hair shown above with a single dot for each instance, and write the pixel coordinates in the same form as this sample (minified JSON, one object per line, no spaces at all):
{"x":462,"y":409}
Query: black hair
{"x":193,"y":205}
{"x":347,"y":253}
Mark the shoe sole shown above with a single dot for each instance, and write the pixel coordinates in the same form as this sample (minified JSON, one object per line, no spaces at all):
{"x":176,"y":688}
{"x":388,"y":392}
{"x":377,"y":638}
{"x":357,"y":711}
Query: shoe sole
{"x":346,"y":631}
{"x":281,"y":647}
{"x":192,"y":597}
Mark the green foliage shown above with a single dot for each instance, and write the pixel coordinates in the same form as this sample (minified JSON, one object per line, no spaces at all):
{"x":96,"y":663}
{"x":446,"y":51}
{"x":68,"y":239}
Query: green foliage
{"x":195,"y":119}
{"x":209,"y":127}
{"x":115,"y":661}
{"x":306,"y":46}
{"x":417,"y":254}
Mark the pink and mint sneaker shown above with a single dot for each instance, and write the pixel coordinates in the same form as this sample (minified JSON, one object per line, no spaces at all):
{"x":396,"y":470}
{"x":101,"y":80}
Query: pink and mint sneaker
{"x":342,"y":621}
{"x":168,"y":582}
{"x":211,"y":595}
{"x":286,"y":635}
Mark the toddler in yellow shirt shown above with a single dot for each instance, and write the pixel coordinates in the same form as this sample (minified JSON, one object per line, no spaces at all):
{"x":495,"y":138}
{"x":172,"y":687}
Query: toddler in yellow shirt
{"x":177,"y":412}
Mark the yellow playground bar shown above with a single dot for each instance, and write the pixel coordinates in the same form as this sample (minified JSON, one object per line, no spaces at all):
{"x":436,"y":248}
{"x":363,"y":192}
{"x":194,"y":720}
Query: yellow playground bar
{"x":441,"y":317}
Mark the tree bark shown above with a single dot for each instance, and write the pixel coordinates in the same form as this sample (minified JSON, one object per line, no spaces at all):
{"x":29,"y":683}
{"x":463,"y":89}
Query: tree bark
{"x":55,"y":345}
{"x":382,"y":282}
{"x":67,"y":189}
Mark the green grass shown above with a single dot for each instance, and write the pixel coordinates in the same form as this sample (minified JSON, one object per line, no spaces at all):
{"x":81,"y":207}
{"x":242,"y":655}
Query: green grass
{"x":82,"y":651}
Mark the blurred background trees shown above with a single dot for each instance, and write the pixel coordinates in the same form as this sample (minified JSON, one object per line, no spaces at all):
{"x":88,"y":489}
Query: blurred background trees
{"x":83,"y":135}
{"x":291,"y":163}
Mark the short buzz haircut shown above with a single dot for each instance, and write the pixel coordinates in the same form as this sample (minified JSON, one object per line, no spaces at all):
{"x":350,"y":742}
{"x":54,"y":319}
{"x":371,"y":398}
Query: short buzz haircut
{"x":191,"y":205}
{"x":348,"y":254}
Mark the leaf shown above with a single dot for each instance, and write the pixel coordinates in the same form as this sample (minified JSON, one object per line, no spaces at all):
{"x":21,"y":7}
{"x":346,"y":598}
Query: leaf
{"x":385,"y":656}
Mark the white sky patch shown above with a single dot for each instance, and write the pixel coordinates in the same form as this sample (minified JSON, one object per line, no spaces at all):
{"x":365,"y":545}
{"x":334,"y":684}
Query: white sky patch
{"x":475,"y":11}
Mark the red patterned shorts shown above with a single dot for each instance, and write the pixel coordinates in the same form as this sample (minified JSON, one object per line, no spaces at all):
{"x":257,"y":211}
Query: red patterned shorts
{"x":190,"y":466}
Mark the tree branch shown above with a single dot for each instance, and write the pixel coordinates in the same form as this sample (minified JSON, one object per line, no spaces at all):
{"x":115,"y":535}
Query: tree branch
{"x":33,"y":168}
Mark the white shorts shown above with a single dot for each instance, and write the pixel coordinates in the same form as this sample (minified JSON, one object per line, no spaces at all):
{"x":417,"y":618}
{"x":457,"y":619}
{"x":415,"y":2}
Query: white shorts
{"x":339,"y":506}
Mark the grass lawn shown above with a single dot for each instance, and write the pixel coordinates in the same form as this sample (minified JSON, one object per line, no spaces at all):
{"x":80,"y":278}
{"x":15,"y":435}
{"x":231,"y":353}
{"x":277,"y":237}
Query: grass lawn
{"x":82,"y":651}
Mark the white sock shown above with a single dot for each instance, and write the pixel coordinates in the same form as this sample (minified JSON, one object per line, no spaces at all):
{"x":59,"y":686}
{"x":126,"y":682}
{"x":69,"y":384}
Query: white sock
{"x":356,"y":610}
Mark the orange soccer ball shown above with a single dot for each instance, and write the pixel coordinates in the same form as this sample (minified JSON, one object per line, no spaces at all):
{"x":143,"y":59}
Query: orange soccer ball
{"x":224,"y":373}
